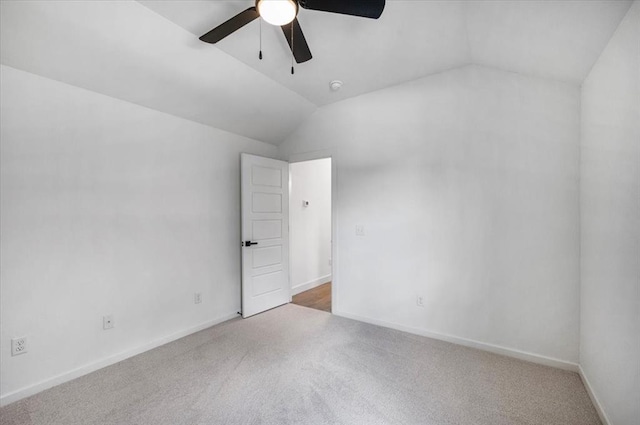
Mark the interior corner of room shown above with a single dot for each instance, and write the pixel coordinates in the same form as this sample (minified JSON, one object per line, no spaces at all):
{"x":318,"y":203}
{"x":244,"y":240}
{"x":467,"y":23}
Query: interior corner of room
{"x":472,"y":182}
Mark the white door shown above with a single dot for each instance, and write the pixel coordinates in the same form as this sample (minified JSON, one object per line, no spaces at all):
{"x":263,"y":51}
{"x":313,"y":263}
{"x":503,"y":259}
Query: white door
{"x":265,"y":234}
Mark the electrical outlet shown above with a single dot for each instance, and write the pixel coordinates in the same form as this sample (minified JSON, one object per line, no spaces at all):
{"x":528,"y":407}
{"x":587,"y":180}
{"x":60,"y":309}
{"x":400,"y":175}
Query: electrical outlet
{"x":330,"y":262}
{"x":359,"y":229}
{"x":197,"y":298}
{"x":107,"y":322}
{"x":18,"y":346}
{"x":420,"y":301}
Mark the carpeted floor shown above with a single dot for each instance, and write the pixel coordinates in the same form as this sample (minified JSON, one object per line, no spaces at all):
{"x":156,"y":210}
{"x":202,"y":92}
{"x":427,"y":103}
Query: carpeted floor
{"x":294,"y":365}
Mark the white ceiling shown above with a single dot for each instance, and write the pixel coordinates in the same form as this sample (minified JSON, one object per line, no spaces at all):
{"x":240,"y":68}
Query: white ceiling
{"x":550,"y":39}
{"x":147,"y":52}
{"x":553,"y":39}
{"x":123,"y":50}
{"x":410,"y":40}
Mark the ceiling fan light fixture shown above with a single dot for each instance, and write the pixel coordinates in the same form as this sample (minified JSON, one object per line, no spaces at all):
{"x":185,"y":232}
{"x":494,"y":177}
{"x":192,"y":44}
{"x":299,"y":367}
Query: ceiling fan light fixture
{"x":277,"y":12}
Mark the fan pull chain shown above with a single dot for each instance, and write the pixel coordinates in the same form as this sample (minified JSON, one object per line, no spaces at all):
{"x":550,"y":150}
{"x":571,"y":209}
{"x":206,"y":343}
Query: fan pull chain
{"x":292,"y":69}
{"x":260,"y":54}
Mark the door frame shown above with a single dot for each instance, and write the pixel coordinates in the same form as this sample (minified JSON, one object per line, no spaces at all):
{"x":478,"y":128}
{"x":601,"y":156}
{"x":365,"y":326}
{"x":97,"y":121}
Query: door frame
{"x":310,"y":156}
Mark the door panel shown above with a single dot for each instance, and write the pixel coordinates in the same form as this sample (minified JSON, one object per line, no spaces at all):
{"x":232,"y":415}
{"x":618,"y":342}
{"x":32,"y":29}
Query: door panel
{"x":266,"y":202}
{"x":265,"y":223}
{"x":267,"y":229}
{"x":266,"y":176}
{"x":267,"y":283}
{"x":270,"y":256}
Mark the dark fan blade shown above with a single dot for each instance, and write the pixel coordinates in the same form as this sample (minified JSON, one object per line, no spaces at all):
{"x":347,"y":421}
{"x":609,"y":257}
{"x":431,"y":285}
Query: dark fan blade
{"x":365,"y":8}
{"x":232,"y":25}
{"x":300,"y":47}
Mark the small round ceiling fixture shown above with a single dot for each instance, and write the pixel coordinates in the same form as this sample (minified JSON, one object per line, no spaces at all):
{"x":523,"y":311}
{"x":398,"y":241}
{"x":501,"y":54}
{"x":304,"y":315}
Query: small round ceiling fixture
{"x":277,"y":12}
{"x":335,"y":85}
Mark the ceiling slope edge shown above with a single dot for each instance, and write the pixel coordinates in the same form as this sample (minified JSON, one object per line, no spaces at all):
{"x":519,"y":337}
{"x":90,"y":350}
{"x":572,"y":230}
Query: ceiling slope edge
{"x":322,"y":108}
{"x":125,"y":51}
{"x":555,"y":40}
{"x":340,"y":102}
{"x":215,"y":129}
{"x":634,"y":6}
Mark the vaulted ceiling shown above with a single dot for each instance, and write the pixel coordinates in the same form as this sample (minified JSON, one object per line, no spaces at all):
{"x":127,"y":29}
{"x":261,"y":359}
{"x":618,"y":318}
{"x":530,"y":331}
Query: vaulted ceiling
{"x":148,"y":52}
{"x":413,"y":38}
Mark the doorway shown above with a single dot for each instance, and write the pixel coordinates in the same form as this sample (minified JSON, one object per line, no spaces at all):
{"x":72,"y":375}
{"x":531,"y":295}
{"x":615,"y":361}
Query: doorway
{"x":310,"y":233}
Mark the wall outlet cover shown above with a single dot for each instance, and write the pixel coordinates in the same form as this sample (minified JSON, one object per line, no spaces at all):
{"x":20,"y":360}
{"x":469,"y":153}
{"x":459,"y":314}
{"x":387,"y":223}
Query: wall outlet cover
{"x":107,"y":322}
{"x":197,"y":298}
{"x":18,"y":346}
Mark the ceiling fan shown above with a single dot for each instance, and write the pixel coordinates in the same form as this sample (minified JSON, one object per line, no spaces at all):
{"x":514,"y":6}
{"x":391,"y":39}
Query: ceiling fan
{"x":283,"y":13}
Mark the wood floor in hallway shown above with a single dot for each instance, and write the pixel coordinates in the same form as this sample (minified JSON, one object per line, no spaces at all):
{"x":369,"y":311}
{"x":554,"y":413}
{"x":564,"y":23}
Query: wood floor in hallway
{"x":318,"y":298}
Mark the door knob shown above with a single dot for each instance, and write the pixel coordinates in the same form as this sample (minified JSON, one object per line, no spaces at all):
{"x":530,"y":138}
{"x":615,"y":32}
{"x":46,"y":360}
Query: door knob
{"x":249,"y":243}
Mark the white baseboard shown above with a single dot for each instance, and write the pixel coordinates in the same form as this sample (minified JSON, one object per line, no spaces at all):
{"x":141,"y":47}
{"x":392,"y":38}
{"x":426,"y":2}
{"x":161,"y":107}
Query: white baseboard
{"x":596,"y":403}
{"x":497,"y":349}
{"x":107,"y":361}
{"x":295,"y":290}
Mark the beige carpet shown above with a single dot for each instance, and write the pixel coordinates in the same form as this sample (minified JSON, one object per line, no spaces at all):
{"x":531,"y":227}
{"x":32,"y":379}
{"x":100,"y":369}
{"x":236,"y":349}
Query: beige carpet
{"x":295,"y":365}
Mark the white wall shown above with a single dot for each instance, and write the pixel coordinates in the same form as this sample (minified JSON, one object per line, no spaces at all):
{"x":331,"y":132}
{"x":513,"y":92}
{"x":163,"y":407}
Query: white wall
{"x":467,"y":185}
{"x":610,"y":225}
{"x":109,"y":207}
{"x":310,"y":227}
